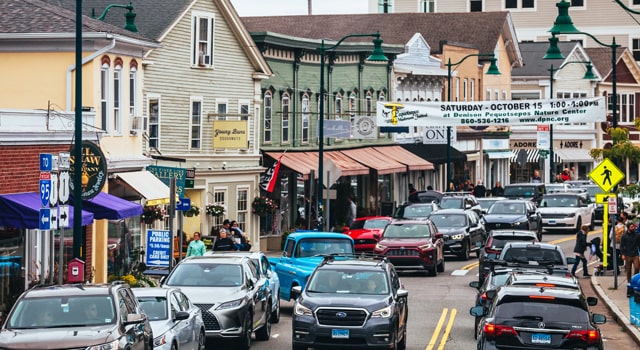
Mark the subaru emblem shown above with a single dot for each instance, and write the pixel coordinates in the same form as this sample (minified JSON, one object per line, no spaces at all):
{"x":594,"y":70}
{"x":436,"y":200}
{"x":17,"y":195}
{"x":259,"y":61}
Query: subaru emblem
{"x":343,"y":314}
{"x":541,"y":325}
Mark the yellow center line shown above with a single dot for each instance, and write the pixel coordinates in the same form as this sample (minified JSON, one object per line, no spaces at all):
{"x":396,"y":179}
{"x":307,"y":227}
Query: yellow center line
{"x":447,"y":330}
{"x":436,"y":332}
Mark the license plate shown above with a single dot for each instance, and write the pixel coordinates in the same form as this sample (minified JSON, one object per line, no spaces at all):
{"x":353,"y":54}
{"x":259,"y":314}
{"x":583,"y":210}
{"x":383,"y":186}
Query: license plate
{"x":552,"y":222}
{"x":340,"y":333}
{"x":540,"y":338}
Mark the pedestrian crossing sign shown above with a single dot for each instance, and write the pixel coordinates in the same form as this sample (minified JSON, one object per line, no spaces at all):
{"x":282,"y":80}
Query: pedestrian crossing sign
{"x":606,"y":175}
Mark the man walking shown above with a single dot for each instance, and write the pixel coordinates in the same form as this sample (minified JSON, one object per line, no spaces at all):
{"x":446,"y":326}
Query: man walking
{"x":351,"y":214}
{"x":480,"y":191}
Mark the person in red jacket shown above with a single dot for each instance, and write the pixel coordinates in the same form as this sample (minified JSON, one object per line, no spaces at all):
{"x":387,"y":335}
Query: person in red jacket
{"x":565,"y":175}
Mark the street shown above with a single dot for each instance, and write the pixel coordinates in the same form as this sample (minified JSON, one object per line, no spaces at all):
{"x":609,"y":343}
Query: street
{"x":439,"y":308}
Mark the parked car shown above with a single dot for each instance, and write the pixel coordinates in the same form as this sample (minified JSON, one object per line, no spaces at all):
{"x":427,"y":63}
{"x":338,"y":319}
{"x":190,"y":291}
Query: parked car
{"x":532,"y":191}
{"x":517,"y":214}
{"x":176,"y":322}
{"x":496,"y":240}
{"x":265,"y":270}
{"x":303,"y":252}
{"x":566,"y":212}
{"x":462,"y":231}
{"x":365,"y":232}
{"x":358,"y":302}
{"x":235,"y":300}
{"x":598,"y":209}
{"x":558,"y":187}
{"x":101,"y":316}
{"x":428,"y":196}
{"x":413,"y":245}
{"x":460,"y":200}
{"x":415,"y":211}
{"x":539,"y":317}
{"x":486,"y":202}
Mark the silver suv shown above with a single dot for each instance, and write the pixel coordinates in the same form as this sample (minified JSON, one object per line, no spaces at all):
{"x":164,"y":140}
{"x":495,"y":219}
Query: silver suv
{"x":101,"y":316}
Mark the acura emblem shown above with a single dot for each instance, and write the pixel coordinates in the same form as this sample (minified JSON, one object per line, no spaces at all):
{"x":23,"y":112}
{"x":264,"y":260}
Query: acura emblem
{"x":541,"y":324}
{"x":342,"y":314}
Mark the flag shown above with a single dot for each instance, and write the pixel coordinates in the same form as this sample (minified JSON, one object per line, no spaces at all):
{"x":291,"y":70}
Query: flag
{"x":269,"y":178}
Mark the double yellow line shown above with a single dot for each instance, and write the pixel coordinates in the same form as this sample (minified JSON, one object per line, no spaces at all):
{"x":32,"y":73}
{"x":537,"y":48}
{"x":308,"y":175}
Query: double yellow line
{"x":447,"y":330}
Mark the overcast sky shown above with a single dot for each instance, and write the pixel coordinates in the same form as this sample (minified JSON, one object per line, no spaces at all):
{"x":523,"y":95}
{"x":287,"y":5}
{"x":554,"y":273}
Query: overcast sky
{"x":298,"y":7}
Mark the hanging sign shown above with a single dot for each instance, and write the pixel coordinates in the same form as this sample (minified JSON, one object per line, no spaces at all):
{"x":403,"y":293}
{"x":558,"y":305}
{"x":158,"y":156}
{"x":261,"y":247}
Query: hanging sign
{"x":93,"y":167}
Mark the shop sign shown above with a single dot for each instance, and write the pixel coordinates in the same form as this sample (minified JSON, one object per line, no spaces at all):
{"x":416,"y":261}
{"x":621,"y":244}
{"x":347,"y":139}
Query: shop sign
{"x":93,"y":168}
{"x":230,"y":134}
{"x":165,"y":174}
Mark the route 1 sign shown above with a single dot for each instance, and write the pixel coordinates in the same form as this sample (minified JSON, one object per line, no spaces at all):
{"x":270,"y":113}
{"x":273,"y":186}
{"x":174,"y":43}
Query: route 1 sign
{"x":606,"y":175}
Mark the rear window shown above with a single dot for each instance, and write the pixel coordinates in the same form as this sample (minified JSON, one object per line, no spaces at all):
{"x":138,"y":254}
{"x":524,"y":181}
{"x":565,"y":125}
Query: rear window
{"x":532,"y":256}
{"x":519,"y":191}
{"x":546,"y":310}
{"x":348,"y":282}
{"x":500,"y":241}
{"x":507,"y":208}
{"x":451,"y":203}
{"x":414,"y":211}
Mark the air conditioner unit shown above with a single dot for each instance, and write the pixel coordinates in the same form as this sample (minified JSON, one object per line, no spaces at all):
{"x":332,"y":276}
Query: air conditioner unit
{"x":138,"y":123}
{"x":204,"y":60}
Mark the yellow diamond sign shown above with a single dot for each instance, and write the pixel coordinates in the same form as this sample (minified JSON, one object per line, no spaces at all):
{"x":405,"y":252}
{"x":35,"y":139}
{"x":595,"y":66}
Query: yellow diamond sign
{"x":606,"y":175}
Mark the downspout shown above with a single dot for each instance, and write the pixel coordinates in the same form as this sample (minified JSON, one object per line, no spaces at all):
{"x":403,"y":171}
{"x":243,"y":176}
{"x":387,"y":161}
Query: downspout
{"x":85,"y":60}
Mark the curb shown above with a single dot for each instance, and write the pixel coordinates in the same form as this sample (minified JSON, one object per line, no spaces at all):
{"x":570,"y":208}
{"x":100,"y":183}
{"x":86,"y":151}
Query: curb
{"x":621,"y":318}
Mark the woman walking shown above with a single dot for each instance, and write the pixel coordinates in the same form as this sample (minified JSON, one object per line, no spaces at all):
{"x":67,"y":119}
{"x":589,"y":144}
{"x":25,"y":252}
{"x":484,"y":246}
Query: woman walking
{"x":578,"y":250}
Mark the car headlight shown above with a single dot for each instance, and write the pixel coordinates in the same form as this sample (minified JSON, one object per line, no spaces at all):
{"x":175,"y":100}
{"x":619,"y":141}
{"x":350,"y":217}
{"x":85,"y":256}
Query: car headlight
{"x":571,"y":215}
{"x":518,"y":224}
{"x":161,"y":340}
{"x":385,"y":312}
{"x":108,"y":346}
{"x":302,"y":310}
{"x":458,"y":236}
{"x":380,"y":247}
{"x":230,"y":304}
{"x":425,"y":246}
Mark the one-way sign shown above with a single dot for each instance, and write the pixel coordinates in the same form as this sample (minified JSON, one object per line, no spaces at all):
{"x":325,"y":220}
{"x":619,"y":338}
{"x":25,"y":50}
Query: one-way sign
{"x":44,"y":220}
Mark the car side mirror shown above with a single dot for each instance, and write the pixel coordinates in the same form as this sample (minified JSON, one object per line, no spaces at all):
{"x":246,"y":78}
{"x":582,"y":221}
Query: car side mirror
{"x":269,"y":274}
{"x":592,"y":301}
{"x":491,"y":294}
{"x":296,"y":291}
{"x":135,"y":318}
{"x":474,"y":284}
{"x":180,"y":315}
{"x":403,"y":293}
{"x":477,"y":311}
{"x":376,"y":236}
{"x":439,"y":235}
{"x":599,"y":319}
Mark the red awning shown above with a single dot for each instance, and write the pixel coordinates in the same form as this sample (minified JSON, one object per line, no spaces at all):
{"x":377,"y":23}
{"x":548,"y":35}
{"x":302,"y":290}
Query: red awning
{"x":375,"y":160}
{"x":403,"y":156}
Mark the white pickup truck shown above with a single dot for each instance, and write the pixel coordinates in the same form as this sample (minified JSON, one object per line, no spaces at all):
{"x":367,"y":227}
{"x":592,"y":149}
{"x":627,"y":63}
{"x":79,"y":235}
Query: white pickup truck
{"x":566,"y":212}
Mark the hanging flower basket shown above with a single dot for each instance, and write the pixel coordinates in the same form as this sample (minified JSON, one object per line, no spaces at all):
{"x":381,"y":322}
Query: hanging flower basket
{"x":262,"y":206}
{"x":151,"y":213}
{"x":193,"y":211}
{"x":215,"y":210}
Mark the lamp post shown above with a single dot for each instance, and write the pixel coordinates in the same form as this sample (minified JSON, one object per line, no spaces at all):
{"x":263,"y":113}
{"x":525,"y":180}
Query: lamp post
{"x":493,"y":70}
{"x":376,"y":55}
{"x":587,"y":75}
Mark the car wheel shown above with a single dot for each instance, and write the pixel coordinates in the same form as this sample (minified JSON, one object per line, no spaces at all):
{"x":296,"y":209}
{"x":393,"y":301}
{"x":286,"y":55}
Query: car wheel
{"x":475,"y":328}
{"x":244,"y":342}
{"x":264,"y":333}
{"x":578,"y":224}
{"x":174,"y":347}
{"x":298,"y":347}
{"x":592,"y":224}
{"x":275,"y":315}
{"x":394,"y":346}
{"x":402,"y":344}
{"x":202,"y":341}
{"x":466,"y":250}
{"x":441,"y":266}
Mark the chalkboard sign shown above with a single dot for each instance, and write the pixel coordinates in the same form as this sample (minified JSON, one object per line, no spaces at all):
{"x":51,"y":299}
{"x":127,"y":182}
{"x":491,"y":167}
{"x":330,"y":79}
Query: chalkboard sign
{"x":386,"y":208}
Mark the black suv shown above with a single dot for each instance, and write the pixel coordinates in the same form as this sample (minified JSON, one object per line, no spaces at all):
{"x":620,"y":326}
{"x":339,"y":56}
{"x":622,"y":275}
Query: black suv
{"x":539,"y":317}
{"x":492,"y":248}
{"x":234,"y":298}
{"x":532,"y":191}
{"x":460,"y":200}
{"x":517,"y":214}
{"x":536,"y":255}
{"x":101,"y":316}
{"x":462,"y":231}
{"x":351,"y":303}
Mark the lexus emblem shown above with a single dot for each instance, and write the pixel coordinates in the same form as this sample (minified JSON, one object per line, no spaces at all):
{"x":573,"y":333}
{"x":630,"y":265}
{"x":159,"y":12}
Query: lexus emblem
{"x":342,"y":314}
{"x":541,"y":325}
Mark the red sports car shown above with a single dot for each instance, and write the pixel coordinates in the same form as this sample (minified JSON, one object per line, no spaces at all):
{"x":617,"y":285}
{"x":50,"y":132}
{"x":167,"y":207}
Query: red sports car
{"x":363,"y":230}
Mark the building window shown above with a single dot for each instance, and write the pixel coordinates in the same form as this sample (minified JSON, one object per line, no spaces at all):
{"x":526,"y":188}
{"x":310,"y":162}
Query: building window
{"x":244,"y":110}
{"x":427,"y":6}
{"x":242,"y":208}
{"x":267,"y":117}
{"x":385,"y":6}
{"x":285,"y":118}
{"x":133,"y":88}
{"x":352,"y":110}
{"x":519,"y":4}
{"x":636,"y":2}
{"x":635,"y":44}
{"x":203,"y":26}
{"x":305,"y":118}
{"x":465,"y":87}
{"x":577,"y":3}
{"x":457,"y":89}
{"x":626,"y":107}
{"x":117,"y":99}
{"x":488,"y":95}
{"x":104,"y":96}
{"x":196,"y":123}
{"x":220,"y":198}
{"x":475,"y":6}
{"x":338,"y":107}
{"x":473,"y":89}
{"x":154,"y":123}
{"x":369,"y":103}
{"x":497,"y":95}
{"x":222,"y":110}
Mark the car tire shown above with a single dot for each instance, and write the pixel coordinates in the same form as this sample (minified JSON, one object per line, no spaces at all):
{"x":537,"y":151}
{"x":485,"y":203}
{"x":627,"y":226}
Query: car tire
{"x":264,"y":332}
{"x":295,"y":346}
{"x":466,"y":251}
{"x":440,"y":267}
{"x":202,"y":340}
{"x":394,"y":346}
{"x":275,"y":315}
{"x":174,"y":347}
{"x":475,"y":327}
{"x":402,"y":344}
{"x":244,"y":342}
{"x":578,"y":224}
{"x":592,"y":224}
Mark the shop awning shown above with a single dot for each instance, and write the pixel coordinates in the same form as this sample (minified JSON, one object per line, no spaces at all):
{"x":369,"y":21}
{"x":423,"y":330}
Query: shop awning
{"x":106,"y":206}
{"x":533,"y":155}
{"x":375,"y":160}
{"x":436,"y":153}
{"x":303,"y":162}
{"x":22,"y":210}
{"x":403,"y":156}
{"x":347,"y":165}
{"x":147,"y":185}
{"x":499,"y":154}
{"x":568,"y":155}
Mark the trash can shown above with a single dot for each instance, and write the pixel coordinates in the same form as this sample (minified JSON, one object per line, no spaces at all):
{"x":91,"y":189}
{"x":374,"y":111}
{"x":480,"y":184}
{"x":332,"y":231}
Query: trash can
{"x":634,"y":300}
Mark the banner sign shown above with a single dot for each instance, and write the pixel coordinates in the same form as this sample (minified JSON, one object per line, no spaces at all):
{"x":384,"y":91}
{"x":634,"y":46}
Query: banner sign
{"x":521,"y":112}
{"x":158,"y":248}
{"x":337,"y":128}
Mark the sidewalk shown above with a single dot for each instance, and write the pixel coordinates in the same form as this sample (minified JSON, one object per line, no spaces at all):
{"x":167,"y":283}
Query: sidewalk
{"x":616,"y":300}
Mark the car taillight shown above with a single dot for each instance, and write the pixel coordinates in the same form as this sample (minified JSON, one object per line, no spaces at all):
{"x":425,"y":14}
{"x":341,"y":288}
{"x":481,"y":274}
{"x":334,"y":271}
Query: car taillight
{"x":589,"y":336}
{"x":491,"y":251}
{"x":484,"y":296}
{"x":492,"y":330}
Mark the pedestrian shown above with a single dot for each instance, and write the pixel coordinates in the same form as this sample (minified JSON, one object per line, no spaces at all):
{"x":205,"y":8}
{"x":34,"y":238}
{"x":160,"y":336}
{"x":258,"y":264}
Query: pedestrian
{"x":536,"y":177}
{"x":480,"y":191}
{"x":224,"y":242}
{"x":352,"y":211}
{"x":565,"y":176}
{"x":239,"y":237}
{"x":579,"y":249}
{"x":226,"y":224}
{"x":497,"y":190}
{"x":452,"y":187}
{"x":413,"y":194}
{"x":629,"y":245}
{"x":559,"y":178}
{"x":573,"y":173}
{"x":196,"y":246}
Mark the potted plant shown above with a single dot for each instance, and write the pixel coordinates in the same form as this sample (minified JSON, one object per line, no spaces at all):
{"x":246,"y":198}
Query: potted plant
{"x":262,"y":205}
{"x":193,"y":211}
{"x":215,"y":210}
{"x":151,"y":213}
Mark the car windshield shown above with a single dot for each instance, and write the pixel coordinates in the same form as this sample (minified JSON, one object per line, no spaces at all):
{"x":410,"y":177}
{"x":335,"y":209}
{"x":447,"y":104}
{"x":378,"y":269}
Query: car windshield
{"x":531,"y":256}
{"x":543,"y":310}
{"x":451,"y":203}
{"x":206,"y":275}
{"x":415,"y":211}
{"x":592,"y":190}
{"x":507,"y":208}
{"x":154,"y":307}
{"x":519,"y":191}
{"x":449,"y":220}
{"x":559,"y":201}
{"x":486,"y":203}
{"x":407,"y":231}
{"x":348,"y":282}
{"x":322,"y":246}
{"x":369,"y":224}
{"x":63,"y":311}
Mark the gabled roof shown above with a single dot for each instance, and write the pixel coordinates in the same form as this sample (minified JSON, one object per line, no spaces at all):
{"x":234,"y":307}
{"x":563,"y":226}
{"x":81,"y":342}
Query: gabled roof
{"x":481,"y":29}
{"x":534,"y":65}
{"x":601,"y":58}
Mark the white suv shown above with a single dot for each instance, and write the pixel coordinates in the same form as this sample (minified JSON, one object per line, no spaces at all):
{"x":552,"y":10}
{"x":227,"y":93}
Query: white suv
{"x":566,"y":212}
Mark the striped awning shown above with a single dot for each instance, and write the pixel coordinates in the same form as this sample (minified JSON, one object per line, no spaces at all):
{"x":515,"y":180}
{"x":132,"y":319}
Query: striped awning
{"x":533,"y":155}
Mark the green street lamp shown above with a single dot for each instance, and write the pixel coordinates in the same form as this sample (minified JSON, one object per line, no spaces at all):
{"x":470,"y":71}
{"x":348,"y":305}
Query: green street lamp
{"x":376,"y":55}
{"x":587,"y":75}
{"x":493,"y":70}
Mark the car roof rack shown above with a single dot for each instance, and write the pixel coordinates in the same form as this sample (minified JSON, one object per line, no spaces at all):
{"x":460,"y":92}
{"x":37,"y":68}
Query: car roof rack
{"x":549,"y":266}
{"x":457,"y":193}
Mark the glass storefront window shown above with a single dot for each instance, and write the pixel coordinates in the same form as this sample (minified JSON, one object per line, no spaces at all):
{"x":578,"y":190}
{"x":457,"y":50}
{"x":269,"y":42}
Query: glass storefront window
{"x":124,"y":245}
{"x":11,"y":268}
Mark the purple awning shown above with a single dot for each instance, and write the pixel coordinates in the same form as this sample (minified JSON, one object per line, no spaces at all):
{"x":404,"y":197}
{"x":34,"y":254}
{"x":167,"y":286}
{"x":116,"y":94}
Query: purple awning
{"x":106,"y":206}
{"x":22,"y":210}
